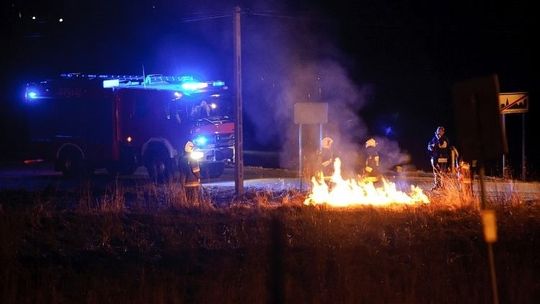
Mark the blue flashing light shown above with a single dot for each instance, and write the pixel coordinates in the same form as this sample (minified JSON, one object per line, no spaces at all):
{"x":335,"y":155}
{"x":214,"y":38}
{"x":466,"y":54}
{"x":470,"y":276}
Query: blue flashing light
{"x":388,"y":131}
{"x":218,"y":83}
{"x":193,"y":86}
{"x":110,"y":83}
{"x":186,"y":78}
{"x":201,"y":140}
{"x":32,"y":95}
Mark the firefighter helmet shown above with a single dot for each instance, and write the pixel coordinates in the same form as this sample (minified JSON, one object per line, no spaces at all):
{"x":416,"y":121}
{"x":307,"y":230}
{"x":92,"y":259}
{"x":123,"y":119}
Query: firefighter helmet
{"x":371,"y":142}
{"x":327,"y":142}
{"x":440,"y":131}
{"x":189,"y":147}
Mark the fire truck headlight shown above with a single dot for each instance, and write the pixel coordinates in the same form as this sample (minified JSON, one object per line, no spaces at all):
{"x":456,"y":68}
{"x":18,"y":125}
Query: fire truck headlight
{"x":201,"y":140}
{"x":129,"y":139}
{"x":196,"y":155}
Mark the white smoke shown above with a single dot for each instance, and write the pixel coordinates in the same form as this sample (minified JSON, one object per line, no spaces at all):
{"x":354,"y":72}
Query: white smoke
{"x":285,"y":62}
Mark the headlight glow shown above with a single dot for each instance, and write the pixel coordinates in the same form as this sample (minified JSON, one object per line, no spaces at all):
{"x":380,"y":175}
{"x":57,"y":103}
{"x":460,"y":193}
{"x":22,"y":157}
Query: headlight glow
{"x":196,"y":155}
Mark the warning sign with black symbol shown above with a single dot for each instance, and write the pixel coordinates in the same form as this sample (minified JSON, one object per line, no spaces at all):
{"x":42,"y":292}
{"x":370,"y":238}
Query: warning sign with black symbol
{"x":517,"y":102}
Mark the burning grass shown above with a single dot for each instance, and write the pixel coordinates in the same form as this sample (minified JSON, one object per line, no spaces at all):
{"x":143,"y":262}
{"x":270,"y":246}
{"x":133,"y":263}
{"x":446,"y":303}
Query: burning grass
{"x":157,"y":244}
{"x":360,"y":191}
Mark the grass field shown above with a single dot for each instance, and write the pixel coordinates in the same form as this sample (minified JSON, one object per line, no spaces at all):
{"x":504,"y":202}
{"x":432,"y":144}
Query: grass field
{"x":157,"y":244}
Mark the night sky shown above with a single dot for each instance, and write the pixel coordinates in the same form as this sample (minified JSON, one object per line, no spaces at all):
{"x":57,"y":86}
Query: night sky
{"x":388,"y":67}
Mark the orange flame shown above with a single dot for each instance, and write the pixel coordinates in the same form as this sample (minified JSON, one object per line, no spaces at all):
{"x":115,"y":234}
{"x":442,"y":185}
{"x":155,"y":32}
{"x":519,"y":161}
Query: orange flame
{"x":347,"y":193}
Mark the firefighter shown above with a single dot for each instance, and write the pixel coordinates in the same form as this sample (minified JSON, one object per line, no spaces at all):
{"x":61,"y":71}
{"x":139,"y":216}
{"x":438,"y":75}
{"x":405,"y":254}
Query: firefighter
{"x":326,"y":158}
{"x":465,"y":178}
{"x":201,"y":111}
{"x":439,"y":148}
{"x":190,"y":171}
{"x":372,"y":170}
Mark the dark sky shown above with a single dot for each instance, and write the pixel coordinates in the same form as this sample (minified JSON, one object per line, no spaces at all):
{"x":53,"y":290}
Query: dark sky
{"x":391,"y":64}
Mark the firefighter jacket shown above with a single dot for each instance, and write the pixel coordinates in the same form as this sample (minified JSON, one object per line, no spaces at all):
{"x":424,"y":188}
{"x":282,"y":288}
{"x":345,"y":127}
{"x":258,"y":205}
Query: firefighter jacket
{"x":326,"y":161}
{"x":465,"y":177}
{"x":372,"y":162}
{"x":190,"y":171}
{"x":439,"y":148}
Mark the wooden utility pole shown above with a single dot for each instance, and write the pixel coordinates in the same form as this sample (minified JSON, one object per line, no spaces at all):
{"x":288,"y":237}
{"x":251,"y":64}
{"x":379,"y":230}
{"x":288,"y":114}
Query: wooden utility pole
{"x":238,"y":129}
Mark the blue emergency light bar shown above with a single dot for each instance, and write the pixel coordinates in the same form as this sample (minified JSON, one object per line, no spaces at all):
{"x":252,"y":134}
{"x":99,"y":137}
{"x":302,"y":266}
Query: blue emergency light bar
{"x":111,"y":83}
{"x":182,"y":84}
{"x":194,"y":86}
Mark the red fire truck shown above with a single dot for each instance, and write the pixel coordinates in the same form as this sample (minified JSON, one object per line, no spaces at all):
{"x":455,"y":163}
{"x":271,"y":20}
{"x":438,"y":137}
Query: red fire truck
{"x":85,"y":122}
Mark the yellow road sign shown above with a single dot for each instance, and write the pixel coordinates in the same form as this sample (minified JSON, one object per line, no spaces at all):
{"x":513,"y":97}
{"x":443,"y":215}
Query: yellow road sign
{"x":515,"y":102}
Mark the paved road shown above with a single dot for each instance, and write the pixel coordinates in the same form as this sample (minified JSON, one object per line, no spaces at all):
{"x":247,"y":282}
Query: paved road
{"x":40,"y":176}
{"x":35,"y":177}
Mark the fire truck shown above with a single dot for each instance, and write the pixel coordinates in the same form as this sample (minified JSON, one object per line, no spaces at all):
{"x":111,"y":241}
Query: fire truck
{"x":84,"y":122}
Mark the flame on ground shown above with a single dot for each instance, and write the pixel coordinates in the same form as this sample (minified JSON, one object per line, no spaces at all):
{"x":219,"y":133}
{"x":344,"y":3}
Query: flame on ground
{"x":348,"y":193}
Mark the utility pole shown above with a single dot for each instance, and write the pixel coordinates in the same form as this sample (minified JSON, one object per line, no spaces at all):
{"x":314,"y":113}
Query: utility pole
{"x":238,"y":129}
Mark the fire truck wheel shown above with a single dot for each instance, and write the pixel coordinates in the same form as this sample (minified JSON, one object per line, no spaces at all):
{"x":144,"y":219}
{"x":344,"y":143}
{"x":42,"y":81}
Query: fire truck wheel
{"x":71,"y":164}
{"x":159,"y":166}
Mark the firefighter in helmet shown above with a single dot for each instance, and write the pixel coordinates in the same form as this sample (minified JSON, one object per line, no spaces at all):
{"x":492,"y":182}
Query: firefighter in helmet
{"x":326,"y":157}
{"x":439,"y":148}
{"x":372,"y":169}
{"x":465,"y":178}
{"x":190,"y":170}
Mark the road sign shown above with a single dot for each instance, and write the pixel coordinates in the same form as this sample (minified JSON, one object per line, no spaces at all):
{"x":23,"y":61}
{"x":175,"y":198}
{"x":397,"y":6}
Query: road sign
{"x":478,"y":119}
{"x":310,"y":113}
{"x":516,"y":102}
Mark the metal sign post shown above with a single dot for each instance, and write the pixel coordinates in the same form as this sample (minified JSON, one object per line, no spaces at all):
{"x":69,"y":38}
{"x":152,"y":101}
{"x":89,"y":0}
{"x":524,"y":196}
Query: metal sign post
{"x":479,"y":126}
{"x":308,"y":113}
{"x":512,"y":103}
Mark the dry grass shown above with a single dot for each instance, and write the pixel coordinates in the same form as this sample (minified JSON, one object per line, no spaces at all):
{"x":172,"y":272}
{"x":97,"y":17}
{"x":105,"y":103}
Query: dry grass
{"x":158,"y":244}
{"x":455,"y":195}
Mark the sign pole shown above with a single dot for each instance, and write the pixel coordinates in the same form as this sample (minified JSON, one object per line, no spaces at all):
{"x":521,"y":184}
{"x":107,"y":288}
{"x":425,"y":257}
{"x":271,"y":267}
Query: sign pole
{"x":511,"y":103}
{"x":300,"y":160}
{"x":308,"y":113}
{"x":481,"y":137}
{"x":503,"y":126}
{"x":523,"y":156}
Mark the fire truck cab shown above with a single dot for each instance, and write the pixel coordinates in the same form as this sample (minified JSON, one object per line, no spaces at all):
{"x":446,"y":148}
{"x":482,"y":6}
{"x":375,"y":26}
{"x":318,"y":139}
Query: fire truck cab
{"x":119,"y":122}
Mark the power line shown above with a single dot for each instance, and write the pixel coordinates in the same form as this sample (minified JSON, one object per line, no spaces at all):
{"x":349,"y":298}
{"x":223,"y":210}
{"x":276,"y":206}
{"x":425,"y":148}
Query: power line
{"x":194,"y":19}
